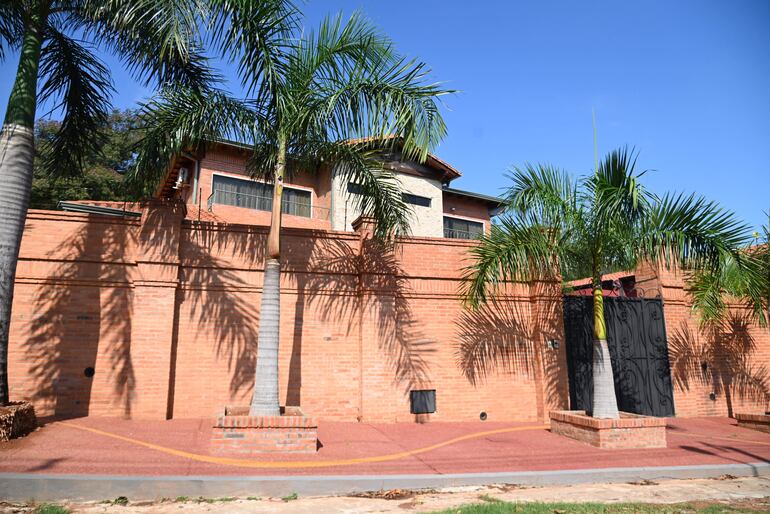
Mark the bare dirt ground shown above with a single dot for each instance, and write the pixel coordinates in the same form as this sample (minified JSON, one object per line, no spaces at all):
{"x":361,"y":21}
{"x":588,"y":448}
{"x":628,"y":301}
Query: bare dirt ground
{"x":753,"y":493}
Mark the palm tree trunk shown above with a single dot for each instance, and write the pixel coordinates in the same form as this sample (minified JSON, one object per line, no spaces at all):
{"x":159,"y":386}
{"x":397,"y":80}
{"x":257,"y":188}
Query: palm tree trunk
{"x":265,"y":400}
{"x":605,"y":405}
{"x":17,"y":150}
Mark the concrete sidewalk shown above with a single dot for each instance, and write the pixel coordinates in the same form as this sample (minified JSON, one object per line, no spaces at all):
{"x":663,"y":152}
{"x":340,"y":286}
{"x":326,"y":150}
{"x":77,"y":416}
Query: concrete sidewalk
{"x":87,"y":454}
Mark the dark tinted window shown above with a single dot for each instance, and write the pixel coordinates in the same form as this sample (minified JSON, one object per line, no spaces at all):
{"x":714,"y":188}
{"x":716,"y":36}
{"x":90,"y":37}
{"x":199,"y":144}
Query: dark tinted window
{"x":356,"y":189}
{"x":422,"y":201}
{"x":256,"y":195}
{"x":456,"y":228}
{"x":416,"y":200}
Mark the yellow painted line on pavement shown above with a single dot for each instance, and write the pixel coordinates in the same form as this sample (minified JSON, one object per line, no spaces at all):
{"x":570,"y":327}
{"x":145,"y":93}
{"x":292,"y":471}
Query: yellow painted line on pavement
{"x":244,"y":463}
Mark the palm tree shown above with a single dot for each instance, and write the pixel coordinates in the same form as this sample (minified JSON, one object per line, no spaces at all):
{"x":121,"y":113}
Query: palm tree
{"x":56,"y":42}
{"x":336,"y":96}
{"x":604,"y":222}
{"x":747,"y":280}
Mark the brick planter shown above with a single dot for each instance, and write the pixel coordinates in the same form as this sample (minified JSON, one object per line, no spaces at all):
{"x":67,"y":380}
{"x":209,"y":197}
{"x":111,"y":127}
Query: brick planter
{"x":754,"y":421}
{"x":17,"y":419}
{"x":630,"y":431}
{"x":237,"y":433}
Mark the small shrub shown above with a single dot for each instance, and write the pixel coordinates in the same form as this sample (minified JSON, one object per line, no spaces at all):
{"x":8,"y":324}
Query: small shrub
{"x":50,"y":508}
{"x":291,"y":497}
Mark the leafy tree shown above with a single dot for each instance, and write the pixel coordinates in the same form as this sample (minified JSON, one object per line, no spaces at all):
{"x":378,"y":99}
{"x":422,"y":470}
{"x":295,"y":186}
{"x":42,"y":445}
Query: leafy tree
{"x":603,"y":221}
{"x":337,"y":95}
{"x":104,"y":168}
{"x":56,"y":41}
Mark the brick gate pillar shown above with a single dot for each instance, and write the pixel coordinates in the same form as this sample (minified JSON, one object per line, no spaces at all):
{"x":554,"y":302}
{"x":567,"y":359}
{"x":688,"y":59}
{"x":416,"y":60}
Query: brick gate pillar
{"x":550,"y":349}
{"x":152,"y":320}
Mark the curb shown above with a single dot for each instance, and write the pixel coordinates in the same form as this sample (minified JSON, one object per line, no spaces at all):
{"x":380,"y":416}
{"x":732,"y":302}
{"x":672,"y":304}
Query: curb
{"x":47,"y":487}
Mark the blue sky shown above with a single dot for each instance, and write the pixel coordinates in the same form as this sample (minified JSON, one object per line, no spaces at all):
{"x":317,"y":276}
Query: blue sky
{"x":687,"y":83}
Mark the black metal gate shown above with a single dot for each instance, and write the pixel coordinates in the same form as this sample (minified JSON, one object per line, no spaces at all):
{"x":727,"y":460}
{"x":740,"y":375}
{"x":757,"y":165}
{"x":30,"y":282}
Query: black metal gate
{"x":636,"y":335}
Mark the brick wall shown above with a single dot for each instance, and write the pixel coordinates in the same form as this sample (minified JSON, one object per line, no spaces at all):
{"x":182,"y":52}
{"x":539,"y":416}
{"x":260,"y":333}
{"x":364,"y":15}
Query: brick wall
{"x":715,"y":370}
{"x":166,"y":310}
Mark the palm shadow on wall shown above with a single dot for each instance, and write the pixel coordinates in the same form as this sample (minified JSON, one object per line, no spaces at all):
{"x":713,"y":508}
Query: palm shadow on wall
{"x":340,"y":284}
{"x":87,"y":299}
{"x":221,"y":296}
{"x":325,"y":273}
{"x":84,"y":300}
{"x":720,"y":356}
{"x":504,"y":336}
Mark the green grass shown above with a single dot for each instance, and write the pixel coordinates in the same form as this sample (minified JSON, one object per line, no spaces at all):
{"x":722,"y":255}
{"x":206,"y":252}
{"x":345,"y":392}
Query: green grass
{"x":291,"y":497}
{"x":499,"y":507}
{"x":50,"y":508}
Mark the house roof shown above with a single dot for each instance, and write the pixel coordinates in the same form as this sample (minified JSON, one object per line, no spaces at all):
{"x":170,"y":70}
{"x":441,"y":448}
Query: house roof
{"x":164,"y":188}
{"x":432,"y":161}
{"x":492,"y":200}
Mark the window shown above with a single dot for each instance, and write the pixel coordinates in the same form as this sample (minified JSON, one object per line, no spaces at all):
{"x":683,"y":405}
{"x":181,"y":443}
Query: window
{"x":257,"y":195}
{"x":296,"y":202}
{"x":355,"y":189}
{"x":416,"y":200}
{"x":456,"y":228}
{"x":422,"y":201}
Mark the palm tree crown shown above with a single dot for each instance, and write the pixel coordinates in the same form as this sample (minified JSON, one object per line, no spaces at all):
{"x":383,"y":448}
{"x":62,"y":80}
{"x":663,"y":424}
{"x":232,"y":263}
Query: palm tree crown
{"x":336,"y":96}
{"x":554,"y":224}
{"x":159,"y":42}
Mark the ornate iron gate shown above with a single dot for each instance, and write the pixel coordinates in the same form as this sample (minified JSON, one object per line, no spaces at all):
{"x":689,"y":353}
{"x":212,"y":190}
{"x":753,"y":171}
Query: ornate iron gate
{"x":636,"y":334}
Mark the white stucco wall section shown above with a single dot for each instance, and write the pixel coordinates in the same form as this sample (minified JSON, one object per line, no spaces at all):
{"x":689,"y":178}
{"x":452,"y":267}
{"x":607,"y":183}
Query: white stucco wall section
{"x":424,"y":221}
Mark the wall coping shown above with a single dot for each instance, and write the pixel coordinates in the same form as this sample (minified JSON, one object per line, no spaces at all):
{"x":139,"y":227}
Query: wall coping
{"x":627,"y":420}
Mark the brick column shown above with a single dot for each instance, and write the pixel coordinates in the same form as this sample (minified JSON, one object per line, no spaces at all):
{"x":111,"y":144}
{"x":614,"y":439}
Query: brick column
{"x":364,"y":226}
{"x":550,"y":349}
{"x":152,"y":321}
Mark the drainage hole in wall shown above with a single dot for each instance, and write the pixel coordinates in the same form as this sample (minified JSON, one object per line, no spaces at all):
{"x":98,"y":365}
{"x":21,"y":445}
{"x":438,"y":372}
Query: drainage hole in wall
{"x":89,"y":372}
{"x":483,"y":416}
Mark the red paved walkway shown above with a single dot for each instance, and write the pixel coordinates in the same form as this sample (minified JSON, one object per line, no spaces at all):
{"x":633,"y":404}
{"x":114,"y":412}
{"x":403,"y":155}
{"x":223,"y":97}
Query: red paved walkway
{"x":58,"y":448}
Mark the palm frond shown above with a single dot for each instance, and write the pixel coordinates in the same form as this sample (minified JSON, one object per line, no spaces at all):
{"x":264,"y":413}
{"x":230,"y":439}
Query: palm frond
{"x":745,"y":280}
{"x":78,"y":83}
{"x":691,"y":232}
{"x":257,"y":35}
{"x":379,"y":194}
{"x":11,"y":26}
{"x":336,"y":50}
{"x":158,"y":39}
{"x":614,"y":190}
{"x":388,"y":102}
{"x":541,"y":189}
{"x":182,"y":119}
{"x":514,"y":250}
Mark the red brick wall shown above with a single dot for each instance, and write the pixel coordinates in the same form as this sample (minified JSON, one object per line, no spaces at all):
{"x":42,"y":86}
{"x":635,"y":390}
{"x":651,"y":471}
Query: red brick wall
{"x":166,"y":310}
{"x":732,"y":361}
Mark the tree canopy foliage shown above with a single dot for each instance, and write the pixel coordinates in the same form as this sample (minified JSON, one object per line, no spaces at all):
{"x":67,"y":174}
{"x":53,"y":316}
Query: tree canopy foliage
{"x":105,"y":164}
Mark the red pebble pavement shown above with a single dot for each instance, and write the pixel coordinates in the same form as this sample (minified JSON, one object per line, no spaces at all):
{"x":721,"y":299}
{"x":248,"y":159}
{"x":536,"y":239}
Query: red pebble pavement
{"x":59,"y":448}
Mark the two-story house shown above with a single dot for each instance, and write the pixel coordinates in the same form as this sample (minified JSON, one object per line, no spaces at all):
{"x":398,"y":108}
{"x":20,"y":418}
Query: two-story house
{"x":216,"y":182}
